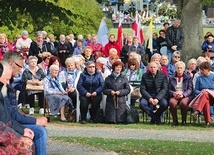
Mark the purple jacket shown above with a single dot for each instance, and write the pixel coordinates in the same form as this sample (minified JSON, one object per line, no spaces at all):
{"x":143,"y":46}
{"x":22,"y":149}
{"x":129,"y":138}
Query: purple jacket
{"x":187,"y":85}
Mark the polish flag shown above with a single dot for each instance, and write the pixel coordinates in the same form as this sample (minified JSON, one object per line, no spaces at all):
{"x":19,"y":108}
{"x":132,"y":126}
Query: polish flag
{"x":120,"y":35}
{"x":137,"y":29}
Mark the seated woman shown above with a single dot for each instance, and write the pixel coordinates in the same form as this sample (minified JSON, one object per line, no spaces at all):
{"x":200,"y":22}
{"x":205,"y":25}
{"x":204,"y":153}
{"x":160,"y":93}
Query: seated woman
{"x":55,"y":95}
{"x":204,"y":86}
{"x":134,"y":74}
{"x":70,"y":77}
{"x":33,"y":75}
{"x":45,"y":61}
{"x":180,"y":92}
{"x":90,"y":86}
{"x":116,"y":87}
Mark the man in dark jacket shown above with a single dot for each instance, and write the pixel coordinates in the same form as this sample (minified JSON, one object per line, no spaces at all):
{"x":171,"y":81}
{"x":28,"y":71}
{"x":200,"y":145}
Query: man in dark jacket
{"x":15,"y":62}
{"x":5,"y":116}
{"x":153,"y":89}
{"x":174,"y":38}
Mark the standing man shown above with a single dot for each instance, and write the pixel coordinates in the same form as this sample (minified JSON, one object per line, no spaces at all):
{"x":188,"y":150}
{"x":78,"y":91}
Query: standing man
{"x":174,"y":38}
{"x":15,"y":61}
{"x":153,"y":88}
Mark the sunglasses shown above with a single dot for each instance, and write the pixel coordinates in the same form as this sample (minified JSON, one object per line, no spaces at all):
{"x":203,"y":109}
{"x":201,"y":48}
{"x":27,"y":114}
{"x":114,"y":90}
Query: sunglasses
{"x":176,"y":57}
{"x":132,"y":64}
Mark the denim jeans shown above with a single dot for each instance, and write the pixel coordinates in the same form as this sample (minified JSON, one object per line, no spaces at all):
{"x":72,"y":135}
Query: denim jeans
{"x":40,"y":138}
{"x":148,"y":108}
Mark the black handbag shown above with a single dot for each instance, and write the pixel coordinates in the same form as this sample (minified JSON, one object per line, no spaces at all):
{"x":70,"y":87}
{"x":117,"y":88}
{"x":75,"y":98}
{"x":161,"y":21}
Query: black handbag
{"x":132,"y":115}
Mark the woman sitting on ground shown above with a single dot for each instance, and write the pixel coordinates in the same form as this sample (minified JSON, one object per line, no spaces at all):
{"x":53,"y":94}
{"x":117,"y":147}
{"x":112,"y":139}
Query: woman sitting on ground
{"x":116,"y":87}
{"x":180,"y":92}
{"x":55,"y":95}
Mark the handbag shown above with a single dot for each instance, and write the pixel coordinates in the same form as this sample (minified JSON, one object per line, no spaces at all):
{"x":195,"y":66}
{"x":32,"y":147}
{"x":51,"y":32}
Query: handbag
{"x":136,"y":93}
{"x":34,"y":87}
{"x":132,"y":115}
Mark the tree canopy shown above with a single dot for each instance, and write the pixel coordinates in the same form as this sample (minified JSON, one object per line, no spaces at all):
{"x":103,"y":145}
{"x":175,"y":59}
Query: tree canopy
{"x":54,"y":16}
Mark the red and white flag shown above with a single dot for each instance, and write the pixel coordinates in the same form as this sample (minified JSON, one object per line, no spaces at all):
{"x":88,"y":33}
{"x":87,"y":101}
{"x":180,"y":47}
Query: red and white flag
{"x":137,"y":29}
{"x":120,"y":35}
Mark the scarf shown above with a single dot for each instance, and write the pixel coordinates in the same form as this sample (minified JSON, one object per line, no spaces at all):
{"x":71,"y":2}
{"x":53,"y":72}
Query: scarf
{"x":39,"y":44}
{"x":3,"y":47}
{"x":24,"y":38}
{"x":55,"y":83}
{"x":116,"y":75}
{"x":179,"y":77}
{"x":71,"y":77}
{"x":131,"y":75}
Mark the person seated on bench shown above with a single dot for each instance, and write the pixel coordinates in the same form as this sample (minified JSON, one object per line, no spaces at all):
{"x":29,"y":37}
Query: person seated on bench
{"x":180,"y":92}
{"x":154,"y":88}
{"x":55,"y":95}
{"x":90,"y":87}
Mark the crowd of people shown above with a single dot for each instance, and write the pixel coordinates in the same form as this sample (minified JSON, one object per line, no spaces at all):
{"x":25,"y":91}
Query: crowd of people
{"x":84,"y":67}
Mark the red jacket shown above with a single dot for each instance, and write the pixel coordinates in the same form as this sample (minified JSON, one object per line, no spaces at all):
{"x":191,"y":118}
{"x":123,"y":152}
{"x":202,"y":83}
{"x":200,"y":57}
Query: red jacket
{"x":110,"y":45}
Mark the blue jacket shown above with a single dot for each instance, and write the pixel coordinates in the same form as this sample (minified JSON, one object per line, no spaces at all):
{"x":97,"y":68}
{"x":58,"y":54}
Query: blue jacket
{"x":90,"y":83}
{"x":187,"y":85}
{"x":206,"y":44}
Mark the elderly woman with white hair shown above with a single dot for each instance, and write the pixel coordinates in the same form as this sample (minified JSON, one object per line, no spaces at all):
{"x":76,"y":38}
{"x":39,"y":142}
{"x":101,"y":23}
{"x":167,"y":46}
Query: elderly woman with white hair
{"x":180,"y":92}
{"x":23,"y":43}
{"x":55,"y":95}
{"x":33,"y":75}
{"x":102,"y":68}
{"x":64,"y":50}
{"x":38,"y":46}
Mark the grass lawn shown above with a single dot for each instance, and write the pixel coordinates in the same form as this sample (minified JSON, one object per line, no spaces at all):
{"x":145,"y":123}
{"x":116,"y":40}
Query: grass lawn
{"x":143,"y":147}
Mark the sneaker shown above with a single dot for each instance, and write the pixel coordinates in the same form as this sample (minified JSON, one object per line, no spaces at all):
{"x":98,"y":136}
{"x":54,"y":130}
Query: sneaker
{"x":27,"y":106}
{"x":31,"y":111}
{"x":41,"y":111}
{"x":19,"y":105}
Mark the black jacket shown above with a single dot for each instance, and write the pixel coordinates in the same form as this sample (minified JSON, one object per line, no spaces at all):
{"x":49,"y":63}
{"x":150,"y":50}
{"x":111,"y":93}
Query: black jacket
{"x":157,"y":85}
{"x":35,"y":49}
{"x":179,"y":40}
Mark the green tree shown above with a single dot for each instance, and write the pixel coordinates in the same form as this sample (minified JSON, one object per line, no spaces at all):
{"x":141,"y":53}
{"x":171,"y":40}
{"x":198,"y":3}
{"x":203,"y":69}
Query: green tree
{"x":54,"y":16}
{"x":190,"y":13}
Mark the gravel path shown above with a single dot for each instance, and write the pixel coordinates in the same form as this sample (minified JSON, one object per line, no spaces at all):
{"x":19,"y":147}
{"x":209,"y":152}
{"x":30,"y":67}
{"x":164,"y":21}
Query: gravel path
{"x":118,"y":133}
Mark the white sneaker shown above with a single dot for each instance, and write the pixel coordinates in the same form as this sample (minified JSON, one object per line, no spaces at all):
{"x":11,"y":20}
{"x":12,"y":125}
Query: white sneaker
{"x":19,"y":105}
{"x":41,"y":111}
{"x":31,"y":111}
{"x":27,"y":106}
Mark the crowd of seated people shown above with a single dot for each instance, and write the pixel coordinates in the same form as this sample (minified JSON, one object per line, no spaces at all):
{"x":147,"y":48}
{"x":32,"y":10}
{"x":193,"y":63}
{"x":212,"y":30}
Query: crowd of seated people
{"x":86,"y":66}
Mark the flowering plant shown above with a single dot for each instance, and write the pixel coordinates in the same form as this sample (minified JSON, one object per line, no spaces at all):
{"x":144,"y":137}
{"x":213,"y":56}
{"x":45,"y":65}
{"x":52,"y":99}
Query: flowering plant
{"x":166,"y":9}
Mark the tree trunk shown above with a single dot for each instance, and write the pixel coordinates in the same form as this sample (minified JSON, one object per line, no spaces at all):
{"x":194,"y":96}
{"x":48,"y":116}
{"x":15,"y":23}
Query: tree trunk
{"x":191,"y":21}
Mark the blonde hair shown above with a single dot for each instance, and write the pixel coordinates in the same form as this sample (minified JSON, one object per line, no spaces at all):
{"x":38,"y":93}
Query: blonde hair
{"x":180,"y":63}
{"x":69,"y":60}
{"x":191,"y":61}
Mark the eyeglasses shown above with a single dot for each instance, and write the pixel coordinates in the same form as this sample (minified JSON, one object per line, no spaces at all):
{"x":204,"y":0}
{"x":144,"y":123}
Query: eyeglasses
{"x":91,"y":66}
{"x":18,"y":65}
{"x":176,"y":57}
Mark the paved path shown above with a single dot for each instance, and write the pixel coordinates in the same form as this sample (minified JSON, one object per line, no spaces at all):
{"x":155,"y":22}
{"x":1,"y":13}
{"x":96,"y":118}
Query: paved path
{"x":117,"y":133}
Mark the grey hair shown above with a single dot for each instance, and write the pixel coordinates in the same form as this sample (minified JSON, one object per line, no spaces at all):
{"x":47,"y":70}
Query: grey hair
{"x":53,"y":67}
{"x":12,"y":56}
{"x":39,"y":33}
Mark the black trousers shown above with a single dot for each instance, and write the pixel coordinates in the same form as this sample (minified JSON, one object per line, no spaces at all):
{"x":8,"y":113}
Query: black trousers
{"x":31,"y":100}
{"x":95,"y":105}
